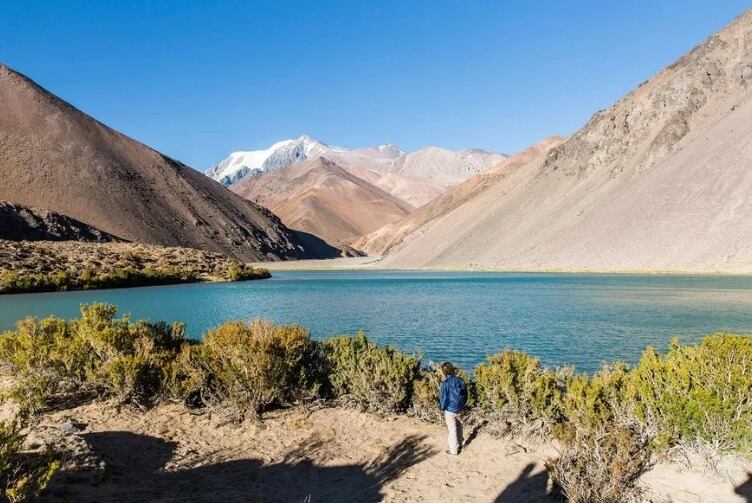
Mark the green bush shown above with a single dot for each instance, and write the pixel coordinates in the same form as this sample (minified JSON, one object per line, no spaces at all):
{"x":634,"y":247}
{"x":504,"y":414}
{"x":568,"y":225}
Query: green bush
{"x":98,"y":354}
{"x":604,"y":450}
{"x":700,"y":393}
{"x":22,"y":474}
{"x":244,"y":272}
{"x":242,"y":368}
{"x":590,"y":401}
{"x":425,"y":399}
{"x":375,"y":377}
{"x":514,"y":385}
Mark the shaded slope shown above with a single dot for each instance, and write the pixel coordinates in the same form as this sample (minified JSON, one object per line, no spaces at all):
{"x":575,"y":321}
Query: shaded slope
{"x":56,"y":157}
{"x":320,"y":197}
{"x":661,"y":181}
{"x":22,"y":223}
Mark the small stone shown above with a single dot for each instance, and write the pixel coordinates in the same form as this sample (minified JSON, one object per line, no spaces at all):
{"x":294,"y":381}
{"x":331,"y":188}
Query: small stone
{"x":68,"y":427}
{"x":747,"y":75}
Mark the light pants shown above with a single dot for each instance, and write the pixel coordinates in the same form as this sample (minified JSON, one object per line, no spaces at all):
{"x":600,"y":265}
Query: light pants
{"x":454,"y":425}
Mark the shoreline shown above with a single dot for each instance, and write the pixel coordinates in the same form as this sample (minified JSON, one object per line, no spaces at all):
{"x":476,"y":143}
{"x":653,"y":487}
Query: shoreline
{"x":371,"y":264}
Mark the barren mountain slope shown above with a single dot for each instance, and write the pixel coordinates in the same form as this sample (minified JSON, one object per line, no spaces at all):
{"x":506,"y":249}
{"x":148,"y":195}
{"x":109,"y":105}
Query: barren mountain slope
{"x":320,"y":197}
{"x":413,"y":191}
{"x":22,"y":223}
{"x":384,"y":239}
{"x":444,"y":167}
{"x":54,"y":156}
{"x":661,"y":181}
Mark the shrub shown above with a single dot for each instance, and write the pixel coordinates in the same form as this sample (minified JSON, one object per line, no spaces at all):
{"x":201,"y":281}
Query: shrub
{"x":244,"y":272}
{"x":22,"y":474}
{"x":700,"y":393}
{"x":604,"y":450}
{"x":246,"y":367}
{"x":514,"y":384}
{"x":97,"y":353}
{"x":425,"y":400}
{"x":601,"y":464}
{"x":375,"y":377}
{"x":596,"y":400}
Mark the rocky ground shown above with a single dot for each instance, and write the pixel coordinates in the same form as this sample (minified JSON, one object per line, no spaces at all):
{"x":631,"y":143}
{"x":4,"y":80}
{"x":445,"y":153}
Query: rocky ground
{"x":19,"y":223}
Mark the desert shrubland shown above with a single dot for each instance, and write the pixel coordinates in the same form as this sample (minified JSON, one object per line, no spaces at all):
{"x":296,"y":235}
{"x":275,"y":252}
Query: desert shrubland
{"x":38,"y":266}
{"x":608,"y":425}
{"x":55,"y":362}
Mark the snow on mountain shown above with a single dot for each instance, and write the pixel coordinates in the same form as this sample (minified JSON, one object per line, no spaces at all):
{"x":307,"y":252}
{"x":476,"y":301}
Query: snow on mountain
{"x":240,"y":164}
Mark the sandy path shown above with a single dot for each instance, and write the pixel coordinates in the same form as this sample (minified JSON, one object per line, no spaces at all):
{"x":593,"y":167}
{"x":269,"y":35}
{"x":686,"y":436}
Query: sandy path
{"x":325,"y":456}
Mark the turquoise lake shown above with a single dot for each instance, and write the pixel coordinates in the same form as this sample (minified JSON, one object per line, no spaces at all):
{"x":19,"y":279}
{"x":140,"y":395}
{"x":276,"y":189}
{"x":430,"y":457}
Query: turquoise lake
{"x":582,"y":320}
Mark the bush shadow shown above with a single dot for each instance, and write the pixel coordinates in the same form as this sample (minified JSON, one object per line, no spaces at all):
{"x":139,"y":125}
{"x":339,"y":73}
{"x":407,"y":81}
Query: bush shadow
{"x":136,"y":471}
{"x":527,"y":488}
{"x":745,"y":489}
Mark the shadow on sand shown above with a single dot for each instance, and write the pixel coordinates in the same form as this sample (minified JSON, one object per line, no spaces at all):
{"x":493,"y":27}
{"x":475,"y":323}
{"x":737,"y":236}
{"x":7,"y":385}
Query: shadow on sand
{"x":527,"y":488}
{"x":135,"y":472}
{"x":745,"y":489}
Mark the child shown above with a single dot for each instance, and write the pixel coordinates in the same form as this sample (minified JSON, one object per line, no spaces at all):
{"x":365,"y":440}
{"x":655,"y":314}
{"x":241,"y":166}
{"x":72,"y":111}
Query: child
{"x":452,"y":401}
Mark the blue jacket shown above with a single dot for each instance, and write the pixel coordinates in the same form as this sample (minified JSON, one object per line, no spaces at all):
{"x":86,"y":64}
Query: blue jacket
{"x":453,"y":394}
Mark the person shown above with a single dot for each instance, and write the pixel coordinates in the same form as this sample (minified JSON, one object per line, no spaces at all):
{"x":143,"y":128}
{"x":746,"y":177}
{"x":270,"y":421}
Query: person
{"x":452,"y":402}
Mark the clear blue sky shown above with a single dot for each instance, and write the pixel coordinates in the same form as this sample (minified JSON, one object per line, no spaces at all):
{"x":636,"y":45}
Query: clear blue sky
{"x":198,"y":79}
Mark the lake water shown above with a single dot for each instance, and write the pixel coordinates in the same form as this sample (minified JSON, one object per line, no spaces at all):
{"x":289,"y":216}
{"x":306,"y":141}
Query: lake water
{"x":563,"y":318}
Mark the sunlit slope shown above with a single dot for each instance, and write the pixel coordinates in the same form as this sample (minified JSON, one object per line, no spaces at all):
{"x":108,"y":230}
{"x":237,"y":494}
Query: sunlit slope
{"x":661,"y":181}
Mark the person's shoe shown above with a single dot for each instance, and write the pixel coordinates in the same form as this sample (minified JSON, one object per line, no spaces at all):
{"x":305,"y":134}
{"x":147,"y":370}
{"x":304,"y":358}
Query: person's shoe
{"x":450,"y":453}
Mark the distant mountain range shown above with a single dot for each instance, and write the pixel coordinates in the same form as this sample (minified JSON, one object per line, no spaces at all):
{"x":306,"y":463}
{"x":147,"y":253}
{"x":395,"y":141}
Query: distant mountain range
{"x":660,"y":181}
{"x":342,"y":194}
{"x":55,"y":157}
{"x":443,"y":166}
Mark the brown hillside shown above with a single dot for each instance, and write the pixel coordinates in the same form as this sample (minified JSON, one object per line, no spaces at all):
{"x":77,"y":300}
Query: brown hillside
{"x":320,"y":197}
{"x":56,"y":157}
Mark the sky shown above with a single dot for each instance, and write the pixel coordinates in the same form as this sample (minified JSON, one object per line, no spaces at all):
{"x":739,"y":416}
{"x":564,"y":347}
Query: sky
{"x":200,"y":79}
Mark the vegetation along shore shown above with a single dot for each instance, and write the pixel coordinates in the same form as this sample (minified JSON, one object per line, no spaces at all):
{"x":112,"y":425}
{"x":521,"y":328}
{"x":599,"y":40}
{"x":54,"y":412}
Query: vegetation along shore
{"x":610,"y":427}
{"x":38,"y":266}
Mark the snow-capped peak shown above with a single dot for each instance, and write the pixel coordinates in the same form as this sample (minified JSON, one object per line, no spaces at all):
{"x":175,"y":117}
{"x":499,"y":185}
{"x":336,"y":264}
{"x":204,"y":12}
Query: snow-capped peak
{"x":240,"y":164}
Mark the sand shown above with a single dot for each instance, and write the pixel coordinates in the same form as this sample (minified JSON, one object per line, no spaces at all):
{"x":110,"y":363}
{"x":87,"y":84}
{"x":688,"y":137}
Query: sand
{"x":327,"y":455}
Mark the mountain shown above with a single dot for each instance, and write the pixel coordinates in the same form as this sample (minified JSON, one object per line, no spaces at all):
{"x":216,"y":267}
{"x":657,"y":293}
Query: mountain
{"x":22,"y":223}
{"x":56,"y":157}
{"x":415,"y":178}
{"x":238,"y":165}
{"x":444,"y":167}
{"x":660,"y":181}
{"x":318,"y":196}
{"x":385,"y":238}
